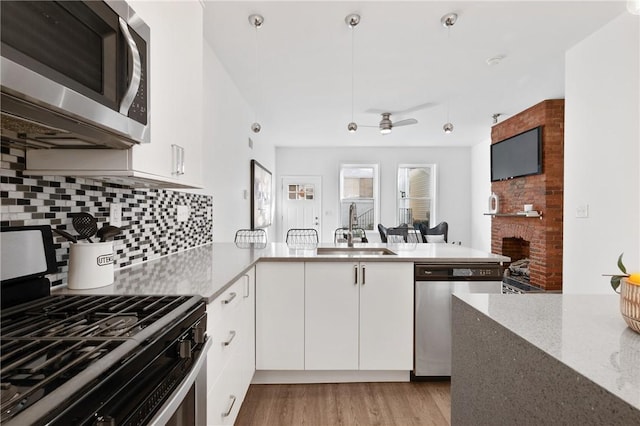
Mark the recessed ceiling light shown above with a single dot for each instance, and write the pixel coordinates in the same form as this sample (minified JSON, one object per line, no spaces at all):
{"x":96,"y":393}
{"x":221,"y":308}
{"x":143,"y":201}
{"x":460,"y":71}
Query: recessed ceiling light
{"x":449,"y":20}
{"x":495,"y":60}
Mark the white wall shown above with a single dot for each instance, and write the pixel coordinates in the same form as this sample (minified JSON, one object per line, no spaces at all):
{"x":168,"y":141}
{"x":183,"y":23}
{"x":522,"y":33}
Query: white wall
{"x":227,"y":156}
{"x":480,"y":191}
{"x":602,"y":156}
{"x":453,"y":181}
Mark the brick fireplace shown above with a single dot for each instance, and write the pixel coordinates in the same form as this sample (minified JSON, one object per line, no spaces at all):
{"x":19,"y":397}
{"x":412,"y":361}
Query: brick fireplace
{"x":539,"y":239}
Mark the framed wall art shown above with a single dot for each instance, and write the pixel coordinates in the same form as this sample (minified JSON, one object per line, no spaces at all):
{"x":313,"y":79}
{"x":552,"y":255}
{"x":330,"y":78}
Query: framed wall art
{"x":260,"y":196}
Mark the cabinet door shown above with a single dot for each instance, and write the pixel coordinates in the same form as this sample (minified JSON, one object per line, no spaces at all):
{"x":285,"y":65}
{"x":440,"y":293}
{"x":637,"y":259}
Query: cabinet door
{"x":280,"y":316}
{"x":249,"y":320}
{"x":331,"y":316}
{"x":386,"y":316}
{"x":176,"y":81}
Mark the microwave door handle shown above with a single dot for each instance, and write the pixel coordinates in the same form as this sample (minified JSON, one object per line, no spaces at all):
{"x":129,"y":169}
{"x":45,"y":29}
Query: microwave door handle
{"x":134,"y":84}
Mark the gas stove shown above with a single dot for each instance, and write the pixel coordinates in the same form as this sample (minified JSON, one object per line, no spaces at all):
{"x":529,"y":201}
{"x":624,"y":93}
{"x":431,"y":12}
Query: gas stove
{"x":58,"y":350}
{"x":100,"y":360}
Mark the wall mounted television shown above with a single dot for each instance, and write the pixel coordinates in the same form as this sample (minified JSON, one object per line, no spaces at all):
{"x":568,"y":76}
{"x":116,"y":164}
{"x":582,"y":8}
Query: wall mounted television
{"x":517,"y":156}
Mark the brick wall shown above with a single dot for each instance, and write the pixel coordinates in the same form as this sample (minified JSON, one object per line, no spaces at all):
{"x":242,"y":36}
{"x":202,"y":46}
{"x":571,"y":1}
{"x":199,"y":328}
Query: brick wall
{"x":544,"y":191}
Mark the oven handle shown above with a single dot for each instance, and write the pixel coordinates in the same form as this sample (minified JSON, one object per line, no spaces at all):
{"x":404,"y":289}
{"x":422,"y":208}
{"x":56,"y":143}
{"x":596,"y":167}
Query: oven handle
{"x":169,"y":408}
{"x":136,"y":74}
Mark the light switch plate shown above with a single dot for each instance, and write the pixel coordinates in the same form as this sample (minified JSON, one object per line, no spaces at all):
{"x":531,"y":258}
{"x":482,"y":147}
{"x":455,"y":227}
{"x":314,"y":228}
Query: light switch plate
{"x":183,"y":213}
{"x":115,"y":214}
{"x":582,"y":211}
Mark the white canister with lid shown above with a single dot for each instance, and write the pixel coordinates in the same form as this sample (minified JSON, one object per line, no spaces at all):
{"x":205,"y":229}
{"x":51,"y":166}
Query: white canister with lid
{"x":90,"y":265}
{"x":493,"y":203}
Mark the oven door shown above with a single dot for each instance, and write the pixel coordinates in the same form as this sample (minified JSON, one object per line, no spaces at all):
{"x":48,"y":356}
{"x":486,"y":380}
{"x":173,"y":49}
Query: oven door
{"x":188,"y":403}
{"x":78,"y":57}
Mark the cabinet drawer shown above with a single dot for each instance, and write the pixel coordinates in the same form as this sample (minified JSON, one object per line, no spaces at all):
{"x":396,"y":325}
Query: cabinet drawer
{"x":226,"y":302}
{"x":227,"y":337}
{"x":227,"y":393}
{"x":229,"y":322}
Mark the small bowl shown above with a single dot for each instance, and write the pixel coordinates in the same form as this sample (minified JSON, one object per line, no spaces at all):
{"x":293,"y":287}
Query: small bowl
{"x":630,"y":304}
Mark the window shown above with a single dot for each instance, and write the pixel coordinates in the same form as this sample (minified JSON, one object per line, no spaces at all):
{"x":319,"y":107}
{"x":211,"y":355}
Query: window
{"x":359,"y":185}
{"x":301,"y":192}
{"x":416,"y":194}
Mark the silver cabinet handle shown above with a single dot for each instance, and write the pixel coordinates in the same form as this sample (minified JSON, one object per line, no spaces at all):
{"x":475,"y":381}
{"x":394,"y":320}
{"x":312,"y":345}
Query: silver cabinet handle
{"x":363,"y":274}
{"x":177,"y":153}
{"x":233,"y":401}
{"x":134,"y":84}
{"x":232,"y":335}
{"x":355,"y":269}
{"x":229,"y":299}
{"x":246,"y":286}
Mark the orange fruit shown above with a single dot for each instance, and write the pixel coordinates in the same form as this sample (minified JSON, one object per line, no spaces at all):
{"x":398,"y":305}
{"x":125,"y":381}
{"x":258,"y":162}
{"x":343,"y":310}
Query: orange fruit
{"x":634,"y":278}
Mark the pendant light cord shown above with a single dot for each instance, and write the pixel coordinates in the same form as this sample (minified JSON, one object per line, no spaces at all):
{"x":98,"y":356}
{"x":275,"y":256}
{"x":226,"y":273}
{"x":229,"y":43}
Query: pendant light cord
{"x":259,"y":75}
{"x":353,"y":29}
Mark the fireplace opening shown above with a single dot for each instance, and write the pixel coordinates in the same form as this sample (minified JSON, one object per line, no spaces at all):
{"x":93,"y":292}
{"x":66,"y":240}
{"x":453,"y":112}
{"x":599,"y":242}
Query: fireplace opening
{"x":518,"y":250}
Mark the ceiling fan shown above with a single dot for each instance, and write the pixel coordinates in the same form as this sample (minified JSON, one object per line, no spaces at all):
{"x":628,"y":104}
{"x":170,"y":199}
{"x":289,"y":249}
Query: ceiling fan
{"x":386,"y":124}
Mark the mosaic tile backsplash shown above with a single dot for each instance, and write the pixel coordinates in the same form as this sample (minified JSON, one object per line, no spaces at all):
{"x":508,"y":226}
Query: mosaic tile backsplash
{"x":150,"y":228}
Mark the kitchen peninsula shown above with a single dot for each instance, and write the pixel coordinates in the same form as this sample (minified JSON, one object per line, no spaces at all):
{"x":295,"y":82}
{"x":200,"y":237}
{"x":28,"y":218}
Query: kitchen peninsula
{"x":210,"y":269}
{"x":543,"y":359}
{"x":279,"y":314}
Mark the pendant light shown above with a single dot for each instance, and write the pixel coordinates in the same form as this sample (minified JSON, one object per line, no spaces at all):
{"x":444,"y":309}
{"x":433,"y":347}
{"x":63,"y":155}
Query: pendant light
{"x":256,"y":21}
{"x":351,"y":21}
{"x":448,"y":126}
{"x":448,"y":21}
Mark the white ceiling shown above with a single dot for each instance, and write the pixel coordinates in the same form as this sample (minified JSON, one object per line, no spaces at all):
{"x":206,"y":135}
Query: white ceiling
{"x":404,"y":58}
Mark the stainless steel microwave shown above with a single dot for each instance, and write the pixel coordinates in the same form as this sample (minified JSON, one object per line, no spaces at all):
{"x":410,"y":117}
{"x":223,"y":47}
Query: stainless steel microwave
{"x":74,"y":73}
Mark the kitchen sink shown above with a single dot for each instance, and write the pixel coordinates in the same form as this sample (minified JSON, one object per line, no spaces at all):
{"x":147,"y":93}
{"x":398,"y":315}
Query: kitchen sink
{"x":354,"y":251}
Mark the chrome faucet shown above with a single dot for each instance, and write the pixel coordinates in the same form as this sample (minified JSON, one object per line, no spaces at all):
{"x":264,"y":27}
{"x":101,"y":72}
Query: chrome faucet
{"x":353,"y":219}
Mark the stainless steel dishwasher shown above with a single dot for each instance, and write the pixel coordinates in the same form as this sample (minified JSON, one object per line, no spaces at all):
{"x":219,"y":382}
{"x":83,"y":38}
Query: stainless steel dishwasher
{"x":434,"y":284}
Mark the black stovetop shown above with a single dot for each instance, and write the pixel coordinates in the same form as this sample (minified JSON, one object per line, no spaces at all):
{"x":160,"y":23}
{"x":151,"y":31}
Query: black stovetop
{"x":66,"y":341}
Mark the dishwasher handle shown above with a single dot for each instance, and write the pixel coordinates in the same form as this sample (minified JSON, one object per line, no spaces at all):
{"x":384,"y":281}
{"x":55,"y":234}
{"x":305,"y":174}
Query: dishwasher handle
{"x":458,"y":272}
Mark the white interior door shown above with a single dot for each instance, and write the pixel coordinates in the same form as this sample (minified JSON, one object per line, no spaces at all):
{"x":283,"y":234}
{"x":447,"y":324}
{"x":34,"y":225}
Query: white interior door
{"x":301,"y":203}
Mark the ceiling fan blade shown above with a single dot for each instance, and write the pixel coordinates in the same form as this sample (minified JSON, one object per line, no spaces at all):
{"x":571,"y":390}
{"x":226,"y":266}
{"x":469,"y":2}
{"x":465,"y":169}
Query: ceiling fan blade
{"x":406,"y":122}
{"x":376,"y":111}
{"x":416,"y":108}
{"x":404,"y":111}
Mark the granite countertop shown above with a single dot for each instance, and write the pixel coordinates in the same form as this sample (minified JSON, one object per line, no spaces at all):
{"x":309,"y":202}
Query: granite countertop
{"x":585,"y":332}
{"x":209,"y":269}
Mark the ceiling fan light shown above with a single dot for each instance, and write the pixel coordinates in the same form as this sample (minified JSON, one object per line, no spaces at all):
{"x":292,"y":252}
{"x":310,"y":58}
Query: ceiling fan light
{"x":385,"y":130}
{"x":352,"y":127}
{"x":448,"y":128}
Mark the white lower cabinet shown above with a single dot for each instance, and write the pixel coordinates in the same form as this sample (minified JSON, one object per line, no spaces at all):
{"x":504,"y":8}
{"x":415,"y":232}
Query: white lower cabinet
{"x":280,"y":316}
{"x":334,"y":316}
{"x":358,"y":316}
{"x":231,"y":359}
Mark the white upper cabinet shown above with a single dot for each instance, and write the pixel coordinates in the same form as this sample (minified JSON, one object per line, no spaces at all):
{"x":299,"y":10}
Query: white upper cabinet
{"x":173,"y":158}
{"x":176,"y":84}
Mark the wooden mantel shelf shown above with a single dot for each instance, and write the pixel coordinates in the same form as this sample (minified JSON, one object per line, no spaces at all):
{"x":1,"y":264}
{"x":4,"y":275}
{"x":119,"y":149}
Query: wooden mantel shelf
{"x":535,"y":215}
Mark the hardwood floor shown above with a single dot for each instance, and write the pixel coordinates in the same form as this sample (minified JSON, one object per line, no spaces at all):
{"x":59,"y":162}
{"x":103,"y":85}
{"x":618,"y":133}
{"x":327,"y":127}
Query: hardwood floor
{"x":413,"y":403}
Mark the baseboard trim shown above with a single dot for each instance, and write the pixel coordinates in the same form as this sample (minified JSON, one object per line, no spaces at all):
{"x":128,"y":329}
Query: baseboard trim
{"x":264,"y":377}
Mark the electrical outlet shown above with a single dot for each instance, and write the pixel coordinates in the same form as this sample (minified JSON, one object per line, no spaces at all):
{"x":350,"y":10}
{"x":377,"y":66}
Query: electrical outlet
{"x":115,"y":214}
{"x":582,"y":211}
{"x":183,"y":213}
